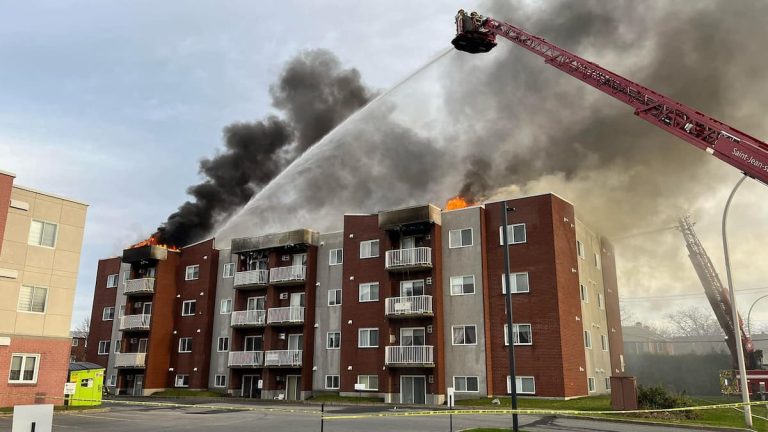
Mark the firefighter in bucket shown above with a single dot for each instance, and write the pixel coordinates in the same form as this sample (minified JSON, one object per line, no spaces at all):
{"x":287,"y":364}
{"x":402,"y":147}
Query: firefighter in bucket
{"x":471,"y":35}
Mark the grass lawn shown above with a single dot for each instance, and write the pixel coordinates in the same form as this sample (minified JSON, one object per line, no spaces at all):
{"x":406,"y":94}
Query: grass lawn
{"x":345,"y":399}
{"x":187,"y":393}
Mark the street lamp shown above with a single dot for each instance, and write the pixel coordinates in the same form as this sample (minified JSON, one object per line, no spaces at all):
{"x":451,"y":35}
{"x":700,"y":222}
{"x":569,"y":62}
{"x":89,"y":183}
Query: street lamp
{"x":749,"y":327}
{"x":508,"y":298}
{"x":735,"y":314}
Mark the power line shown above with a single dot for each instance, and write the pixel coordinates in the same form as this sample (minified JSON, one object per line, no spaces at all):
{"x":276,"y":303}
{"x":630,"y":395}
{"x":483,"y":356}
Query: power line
{"x":687,"y":295}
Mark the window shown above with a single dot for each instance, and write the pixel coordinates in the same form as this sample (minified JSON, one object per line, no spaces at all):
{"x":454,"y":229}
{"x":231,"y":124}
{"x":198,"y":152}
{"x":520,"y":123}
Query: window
{"x":607,"y":383}
{"x":519,"y":283}
{"x":334,"y":297}
{"x":460,"y":238}
{"x":112,"y":380}
{"x":584,"y":293}
{"x":225,"y":307}
{"x":371,"y":382}
{"x":75,"y":342}
{"x":591,"y":384}
{"x":580,"y":249}
{"x":220,"y":381}
{"x":604,"y":342}
{"x":332,"y":382}
{"x":597,"y":261}
{"x":188,"y":307}
{"x":24,"y":368}
{"x":42,"y":234}
{"x":336,"y":256}
{"x":522,"y":334}
{"x":223,"y":344}
{"x":461,"y":285}
{"x":117,"y":346}
{"x":369,"y":292}
{"x":112,"y":281}
{"x":523,"y":385}
{"x":587,"y":339}
{"x":368,"y":338}
{"x":515,"y":234}
{"x":465,"y":335}
{"x":333,"y":340}
{"x":412,"y":288}
{"x":182,"y":381}
{"x":126,"y":275}
{"x":192,"y":272}
{"x":601,"y":301}
{"x":103,"y":347}
{"x":369,"y":249}
{"x":229,"y":271}
{"x":466,"y":384}
{"x":32,"y":299}
{"x":185,"y":344}
{"x":108,"y":314}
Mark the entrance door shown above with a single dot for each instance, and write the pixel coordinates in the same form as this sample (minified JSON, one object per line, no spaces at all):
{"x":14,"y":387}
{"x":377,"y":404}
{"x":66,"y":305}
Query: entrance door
{"x":413,"y":389}
{"x":250,"y":387}
{"x":138,"y":385}
{"x":293,"y":387}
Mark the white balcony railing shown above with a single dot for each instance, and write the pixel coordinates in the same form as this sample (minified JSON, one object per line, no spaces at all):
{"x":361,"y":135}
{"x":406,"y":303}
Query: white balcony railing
{"x":409,"y":258}
{"x":412,"y":305}
{"x":135,"y":322}
{"x":139,"y":286}
{"x":130,"y":360}
{"x":252,"y":277}
{"x":286,"y":358}
{"x":246,"y":358}
{"x":248,"y":318}
{"x":410,"y":355}
{"x":287,"y":274}
{"x":293,"y":314}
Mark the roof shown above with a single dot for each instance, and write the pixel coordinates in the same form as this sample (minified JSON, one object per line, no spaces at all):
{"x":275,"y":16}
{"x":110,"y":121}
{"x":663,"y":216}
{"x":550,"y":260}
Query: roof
{"x":29,"y":189}
{"x":10,"y":174}
{"x":78,"y":366}
{"x":78,"y":334}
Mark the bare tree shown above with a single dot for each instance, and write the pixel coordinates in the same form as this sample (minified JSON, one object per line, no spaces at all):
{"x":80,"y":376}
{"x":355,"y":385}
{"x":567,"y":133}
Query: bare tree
{"x":693,"y":321}
{"x":628,"y":317}
{"x":83,"y":326}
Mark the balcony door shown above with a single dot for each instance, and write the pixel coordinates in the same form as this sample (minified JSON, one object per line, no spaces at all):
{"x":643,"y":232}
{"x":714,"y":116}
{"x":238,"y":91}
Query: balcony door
{"x":297,"y":299}
{"x":293,"y":387}
{"x":146,"y":308}
{"x":299,"y":259}
{"x":412,"y":288}
{"x":408,"y":243}
{"x":413,"y":336}
{"x":254,"y":262}
{"x":413,"y":389}
{"x":143,"y":342}
{"x":295,"y":341}
{"x":256,"y":303}
{"x":253,"y":343}
{"x":250,"y":387}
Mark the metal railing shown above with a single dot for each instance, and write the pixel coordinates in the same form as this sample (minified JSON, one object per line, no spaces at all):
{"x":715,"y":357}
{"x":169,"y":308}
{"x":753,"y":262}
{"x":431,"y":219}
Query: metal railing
{"x":282,"y":358}
{"x":246,"y":358}
{"x":406,"y":258}
{"x":292,"y":314}
{"x":248,"y":318}
{"x":139,"y":286}
{"x":409,"y":355}
{"x":252,"y":277}
{"x":411,"y":305}
{"x":130,"y":360}
{"x":287,"y":274}
{"x":135,"y":322}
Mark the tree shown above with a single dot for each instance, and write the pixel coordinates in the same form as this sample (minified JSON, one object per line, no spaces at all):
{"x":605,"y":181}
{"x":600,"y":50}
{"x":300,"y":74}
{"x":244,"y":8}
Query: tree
{"x":628,"y":318}
{"x":693,"y":321}
{"x":83,"y":326}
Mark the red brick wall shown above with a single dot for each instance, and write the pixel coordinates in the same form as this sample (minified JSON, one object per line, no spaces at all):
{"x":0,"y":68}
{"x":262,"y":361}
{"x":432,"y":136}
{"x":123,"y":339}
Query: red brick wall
{"x":52,"y":373}
{"x":6,"y":184}
{"x":612,"y":309}
{"x":161,"y":339}
{"x":78,"y":352}
{"x":102,"y":297}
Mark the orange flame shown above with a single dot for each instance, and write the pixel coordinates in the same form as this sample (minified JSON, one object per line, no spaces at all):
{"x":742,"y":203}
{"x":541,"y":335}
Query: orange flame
{"x":458,"y":202}
{"x":153,"y":241}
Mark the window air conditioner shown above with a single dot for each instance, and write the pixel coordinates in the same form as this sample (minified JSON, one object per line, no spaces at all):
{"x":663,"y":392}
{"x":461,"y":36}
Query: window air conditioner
{"x":428,"y":237}
{"x":281,"y":336}
{"x":286,"y":258}
{"x":429,"y":281}
{"x":134,"y":340}
{"x":283,"y":296}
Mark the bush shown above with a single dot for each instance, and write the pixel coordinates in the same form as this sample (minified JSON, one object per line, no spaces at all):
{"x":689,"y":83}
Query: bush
{"x":657,"y":397}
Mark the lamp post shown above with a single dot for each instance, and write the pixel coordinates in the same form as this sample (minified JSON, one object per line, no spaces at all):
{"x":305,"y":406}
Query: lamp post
{"x":749,"y":327}
{"x":508,"y":298}
{"x":735,"y":313}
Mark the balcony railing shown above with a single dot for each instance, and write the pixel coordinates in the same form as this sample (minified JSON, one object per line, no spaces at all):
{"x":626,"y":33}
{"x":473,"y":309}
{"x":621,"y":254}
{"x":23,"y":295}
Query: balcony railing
{"x":409,"y":306}
{"x":246,"y":359}
{"x":248,"y":318}
{"x":287,"y":315}
{"x":135,"y":322}
{"x":130,"y":360}
{"x":414,"y":355}
{"x":139,"y":286}
{"x":285,"y":358}
{"x":286,"y":275}
{"x":251,"y":278}
{"x":407,"y":259}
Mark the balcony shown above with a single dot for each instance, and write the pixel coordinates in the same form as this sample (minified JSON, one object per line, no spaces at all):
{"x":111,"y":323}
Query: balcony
{"x":248,"y":318}
{"x":286,"y":315}
{"x":409,"y":259}
{"x":139,"y":286}
{"x":251,"y":279}
{"x":135,"y":322}
{"x":288,"y":275}
{"x":284,"y":358}
{"x":130,"y":360}
{"x":410,"y":356}
{"x":409,"y":306}
{"x":246,"y":359}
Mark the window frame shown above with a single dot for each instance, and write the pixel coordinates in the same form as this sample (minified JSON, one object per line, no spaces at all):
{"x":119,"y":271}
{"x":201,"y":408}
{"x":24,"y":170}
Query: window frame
{"x":103,"y":343}
{"x":368,"y":285}
{"x":336,"y":292}
{"x":466,"y":384}
{"x":511,"y":235}
{"x":42,"y":231}
{"x":463,"y":284}
{"x":584,"y":292}
{"x":228,"y":309}
{"x":604,"y":342}
{"x":451,"y":244}
{"x":183,"y":377}
{"x":338,"y":253}
{"x":463,"y":328}
{"x":24,"y":358}
{"x":112,"y":380}
{"x":181,"y":342}
{"x":598,"y":261}
{"x":520,"y":378}
{"x":517,"y":326}
{"x":591,"y":385}
{"x":607,"y":382}
{"x":580,"y":252}
{"x":369,"y":242}
{"x":587,"y":339}
{"x":109,"y":317}
{"x":32,"y":300}
{"x":328,"y":340}
{"x":334,"y":378}
{"x":219,"y":341}
{"x":513,"y":277}
{"x":228,"y":271}
{"x":195,"y":268}
{"x":113,"y":277}
{"x":184,"y":304}
{"x":367,"y":330}
{"x":601,"y":301}
{"x":219,"y":384}
{"x":368,"y":381}
{"x":75,"y":342}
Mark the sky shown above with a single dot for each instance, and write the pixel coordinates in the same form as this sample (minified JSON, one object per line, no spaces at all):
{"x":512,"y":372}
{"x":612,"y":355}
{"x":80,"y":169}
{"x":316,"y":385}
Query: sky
{"x":114,"y":103}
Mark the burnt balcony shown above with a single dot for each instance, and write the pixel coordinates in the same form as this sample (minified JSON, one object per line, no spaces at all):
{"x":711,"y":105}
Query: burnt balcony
{"x":399,"y":260}
{"x":286,"y":315}
{"x":282,"y":358}
{"x":248,"y":318}
{"x":246,"y":359}
{"x":130,"y":360}
{"x":410,"y":356}
{"x":251,"y":279}
{"x":139,"y":286}
{"x":135,"y":322}
{"x":411,"y":306}
{"x":288,"y":275}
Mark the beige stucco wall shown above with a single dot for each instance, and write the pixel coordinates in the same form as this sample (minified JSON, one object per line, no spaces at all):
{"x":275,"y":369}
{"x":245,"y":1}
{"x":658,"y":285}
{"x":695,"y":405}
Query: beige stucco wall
{"x":53,"y":268}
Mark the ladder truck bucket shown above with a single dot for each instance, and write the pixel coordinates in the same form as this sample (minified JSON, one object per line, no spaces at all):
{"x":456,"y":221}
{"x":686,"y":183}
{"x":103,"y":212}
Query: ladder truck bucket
{"x":474,"y":42}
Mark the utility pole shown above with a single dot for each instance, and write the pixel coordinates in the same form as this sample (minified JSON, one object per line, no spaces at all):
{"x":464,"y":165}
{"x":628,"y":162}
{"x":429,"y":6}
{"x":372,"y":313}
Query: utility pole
{"x":508,"y":297}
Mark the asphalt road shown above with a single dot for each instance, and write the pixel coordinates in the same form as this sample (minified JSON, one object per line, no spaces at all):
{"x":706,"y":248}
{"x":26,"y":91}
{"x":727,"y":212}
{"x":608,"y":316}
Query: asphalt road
{"x":300,"y":418}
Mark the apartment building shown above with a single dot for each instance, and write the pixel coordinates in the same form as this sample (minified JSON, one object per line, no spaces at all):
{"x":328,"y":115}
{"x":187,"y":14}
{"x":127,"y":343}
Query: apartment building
{"x":400,"y":305}
{"x":42,"y":236}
